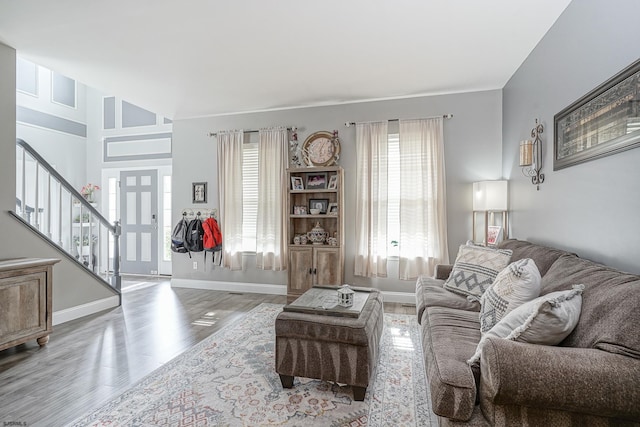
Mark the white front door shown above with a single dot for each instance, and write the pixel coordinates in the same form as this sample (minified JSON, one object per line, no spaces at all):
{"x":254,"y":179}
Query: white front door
{"x":139,"y":216}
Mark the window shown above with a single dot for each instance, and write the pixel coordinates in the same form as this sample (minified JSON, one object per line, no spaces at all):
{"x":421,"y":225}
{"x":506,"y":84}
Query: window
{"x":393,"y":203}
{"x":166,"y":217}
{"x":249,"y":195}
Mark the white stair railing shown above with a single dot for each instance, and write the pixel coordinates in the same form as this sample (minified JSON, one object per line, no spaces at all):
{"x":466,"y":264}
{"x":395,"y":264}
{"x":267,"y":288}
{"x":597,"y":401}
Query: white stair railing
{"x":47,"y":202}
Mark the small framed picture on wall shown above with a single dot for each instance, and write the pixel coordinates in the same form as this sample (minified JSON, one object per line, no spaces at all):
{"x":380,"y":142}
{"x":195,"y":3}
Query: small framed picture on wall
{"x":199,"y":192}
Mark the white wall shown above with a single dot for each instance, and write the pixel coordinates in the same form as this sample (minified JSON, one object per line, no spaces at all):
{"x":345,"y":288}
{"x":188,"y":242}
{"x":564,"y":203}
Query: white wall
{"x":72,"y":286}
{"x":472,"y":152}
{"x":591,"y":208}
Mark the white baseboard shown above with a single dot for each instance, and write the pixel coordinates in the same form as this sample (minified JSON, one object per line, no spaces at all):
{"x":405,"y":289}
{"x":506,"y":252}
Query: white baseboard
{"x":255,"y":288}
{"x":68,"y":314}
{"x":261,"y":288}
{"x":401,"y":297}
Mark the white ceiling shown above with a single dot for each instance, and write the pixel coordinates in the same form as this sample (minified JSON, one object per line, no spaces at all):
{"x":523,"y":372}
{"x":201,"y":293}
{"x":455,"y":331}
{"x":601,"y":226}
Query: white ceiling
{"x":208,"y":57}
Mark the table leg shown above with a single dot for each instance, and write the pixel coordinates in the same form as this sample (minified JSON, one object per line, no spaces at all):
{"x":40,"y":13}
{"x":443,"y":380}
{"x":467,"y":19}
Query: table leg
{"x":286,"y":380}
{"x":358,"y":393}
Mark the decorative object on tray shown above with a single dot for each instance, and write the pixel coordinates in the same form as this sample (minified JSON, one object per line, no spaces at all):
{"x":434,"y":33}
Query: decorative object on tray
{"x":317,"y":235}
{"x":321,"y":149}
{"x":88,"y":191}
{"x":605,"y":121}
{"x":345,"y":296}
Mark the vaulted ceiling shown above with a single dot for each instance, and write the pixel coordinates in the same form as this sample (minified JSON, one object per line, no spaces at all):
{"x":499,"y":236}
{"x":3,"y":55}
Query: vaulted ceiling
{"x":209,"y":57}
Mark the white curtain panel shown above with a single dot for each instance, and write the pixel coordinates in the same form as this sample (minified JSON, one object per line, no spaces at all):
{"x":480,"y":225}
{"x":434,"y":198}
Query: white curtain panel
{"x":423,"y":219}
{"x":230,"y":191}
{"x":271,"y":250}
{"x":371,"y":199}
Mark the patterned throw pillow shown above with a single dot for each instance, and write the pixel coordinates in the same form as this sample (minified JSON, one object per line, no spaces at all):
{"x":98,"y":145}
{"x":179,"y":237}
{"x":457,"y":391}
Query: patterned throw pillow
{"x":475,"y":269}
{"x":546,"y":320}
{"x":512,"y":287}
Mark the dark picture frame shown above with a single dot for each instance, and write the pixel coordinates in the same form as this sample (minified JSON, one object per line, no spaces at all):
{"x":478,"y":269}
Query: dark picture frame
{"x":316,"y":181}
{"x":199,"y":192}
{"x":321,"y":204}
{"x":603,"y":122}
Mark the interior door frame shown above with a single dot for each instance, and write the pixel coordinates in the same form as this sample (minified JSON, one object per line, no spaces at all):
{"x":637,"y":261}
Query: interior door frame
{"x":164,"y":266}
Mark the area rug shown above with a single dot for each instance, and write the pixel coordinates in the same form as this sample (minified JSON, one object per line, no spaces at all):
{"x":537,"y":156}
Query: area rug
{"x":229,"y":379}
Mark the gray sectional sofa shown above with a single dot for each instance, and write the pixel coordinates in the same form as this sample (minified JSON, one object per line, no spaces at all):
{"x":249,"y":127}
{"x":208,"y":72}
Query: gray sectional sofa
{"x":591,"y":378}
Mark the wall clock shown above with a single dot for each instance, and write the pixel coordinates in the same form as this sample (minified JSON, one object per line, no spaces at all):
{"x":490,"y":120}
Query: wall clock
{"x":321,"y":149}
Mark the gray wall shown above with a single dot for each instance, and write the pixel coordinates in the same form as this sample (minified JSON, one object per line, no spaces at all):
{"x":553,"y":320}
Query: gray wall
{"x":591,"y":208}
{"x":72,"y":286}
{"x":472,"y":150}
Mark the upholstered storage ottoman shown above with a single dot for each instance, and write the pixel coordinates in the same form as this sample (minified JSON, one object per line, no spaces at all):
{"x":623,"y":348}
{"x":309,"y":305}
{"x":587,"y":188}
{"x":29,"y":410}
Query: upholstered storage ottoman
{"x":330,"y":348}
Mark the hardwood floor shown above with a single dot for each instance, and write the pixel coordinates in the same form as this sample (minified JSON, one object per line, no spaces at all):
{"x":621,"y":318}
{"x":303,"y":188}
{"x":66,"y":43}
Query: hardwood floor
{"x":88,"y":361}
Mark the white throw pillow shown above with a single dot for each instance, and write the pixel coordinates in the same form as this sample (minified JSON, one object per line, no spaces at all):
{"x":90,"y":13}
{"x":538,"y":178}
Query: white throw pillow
{"x":512,"y":287}
{"x":545,"y":320}
{"x":475,"y":269}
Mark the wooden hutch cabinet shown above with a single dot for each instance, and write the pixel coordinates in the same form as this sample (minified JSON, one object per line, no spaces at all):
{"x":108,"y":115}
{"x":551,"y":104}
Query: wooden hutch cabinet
{"x":320,"y":262}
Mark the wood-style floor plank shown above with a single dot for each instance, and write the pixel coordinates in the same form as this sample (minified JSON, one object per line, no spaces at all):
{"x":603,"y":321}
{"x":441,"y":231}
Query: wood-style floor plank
{"x":91,"y":360}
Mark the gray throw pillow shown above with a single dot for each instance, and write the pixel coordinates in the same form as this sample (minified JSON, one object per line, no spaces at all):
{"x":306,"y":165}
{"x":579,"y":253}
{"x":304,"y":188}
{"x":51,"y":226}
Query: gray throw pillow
{"x":546,"y":320}
{"x":475,"y":269}
{"x":512,"y":287}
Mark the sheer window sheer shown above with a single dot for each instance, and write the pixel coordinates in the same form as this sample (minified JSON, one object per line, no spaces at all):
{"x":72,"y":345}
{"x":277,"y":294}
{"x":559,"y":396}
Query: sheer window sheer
{"x":230,"y":193}
{"x":371,"y":199}
{"x":423,"y":216}
{"x":422,"y":213}
{"x":271,"y":221}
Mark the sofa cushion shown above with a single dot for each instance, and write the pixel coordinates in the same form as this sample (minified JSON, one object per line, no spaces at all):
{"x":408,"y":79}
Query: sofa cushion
{"x":543,"y":256}
{"x":513,"y":286}
{"x":545,"y":320}
{"x":430,"y":293}
{"x":449,"y":338}
{"x":610,"y":318}
{"x":475,"y":269}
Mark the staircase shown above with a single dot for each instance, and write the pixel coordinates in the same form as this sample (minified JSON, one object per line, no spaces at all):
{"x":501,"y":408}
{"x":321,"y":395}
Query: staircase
{"x":54,"y":210}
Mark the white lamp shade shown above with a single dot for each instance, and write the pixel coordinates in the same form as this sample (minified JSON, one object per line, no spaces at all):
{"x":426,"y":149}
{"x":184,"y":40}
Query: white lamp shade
{"x":490,"y":195}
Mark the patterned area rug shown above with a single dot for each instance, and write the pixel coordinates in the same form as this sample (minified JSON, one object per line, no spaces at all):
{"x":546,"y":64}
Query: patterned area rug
{"x":229,"y":379}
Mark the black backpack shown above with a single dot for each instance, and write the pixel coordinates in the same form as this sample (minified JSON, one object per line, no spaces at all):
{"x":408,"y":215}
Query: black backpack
{"x":178,"y":237}
{"x":193,"y":238}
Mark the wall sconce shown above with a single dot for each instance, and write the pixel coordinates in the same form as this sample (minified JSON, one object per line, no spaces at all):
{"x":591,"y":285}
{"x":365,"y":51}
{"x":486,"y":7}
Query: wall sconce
{"x":490,"y":197}
{"x":531,"y":156}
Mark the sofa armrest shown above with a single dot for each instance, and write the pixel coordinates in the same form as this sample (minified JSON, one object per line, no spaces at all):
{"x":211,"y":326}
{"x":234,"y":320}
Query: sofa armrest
{"x":443,"y":271}
{"x":570,"y":379}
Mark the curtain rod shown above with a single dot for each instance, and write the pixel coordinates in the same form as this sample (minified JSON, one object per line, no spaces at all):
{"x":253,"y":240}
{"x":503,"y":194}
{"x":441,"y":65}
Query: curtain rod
{"x":444,"y":116}
{"x":250,"y":131}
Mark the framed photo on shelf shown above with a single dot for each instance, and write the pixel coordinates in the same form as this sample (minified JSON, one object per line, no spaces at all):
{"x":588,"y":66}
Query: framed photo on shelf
{"x":316,"y":181}
{"x":297,"y":183}
{"x":332,"y":209}
{"x":333,"y":182}
{"x":199,"y":192}
{"x":321,"y":204}
{"x":494,"y":234}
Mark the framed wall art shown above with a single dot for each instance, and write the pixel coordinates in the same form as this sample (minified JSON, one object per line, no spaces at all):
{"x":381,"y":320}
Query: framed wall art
{"x":199,"y":192}
{"x":605,"y":121}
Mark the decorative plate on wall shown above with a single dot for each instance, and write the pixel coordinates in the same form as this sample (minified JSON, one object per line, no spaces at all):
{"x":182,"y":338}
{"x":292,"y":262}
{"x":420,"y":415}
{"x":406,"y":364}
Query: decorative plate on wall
{"x":321,"y":149}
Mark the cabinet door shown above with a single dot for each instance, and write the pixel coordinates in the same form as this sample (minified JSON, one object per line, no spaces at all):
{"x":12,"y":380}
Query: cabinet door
{"x":23,"y":306}
{"x":328,"y":267}
{"x":300,"y":274}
